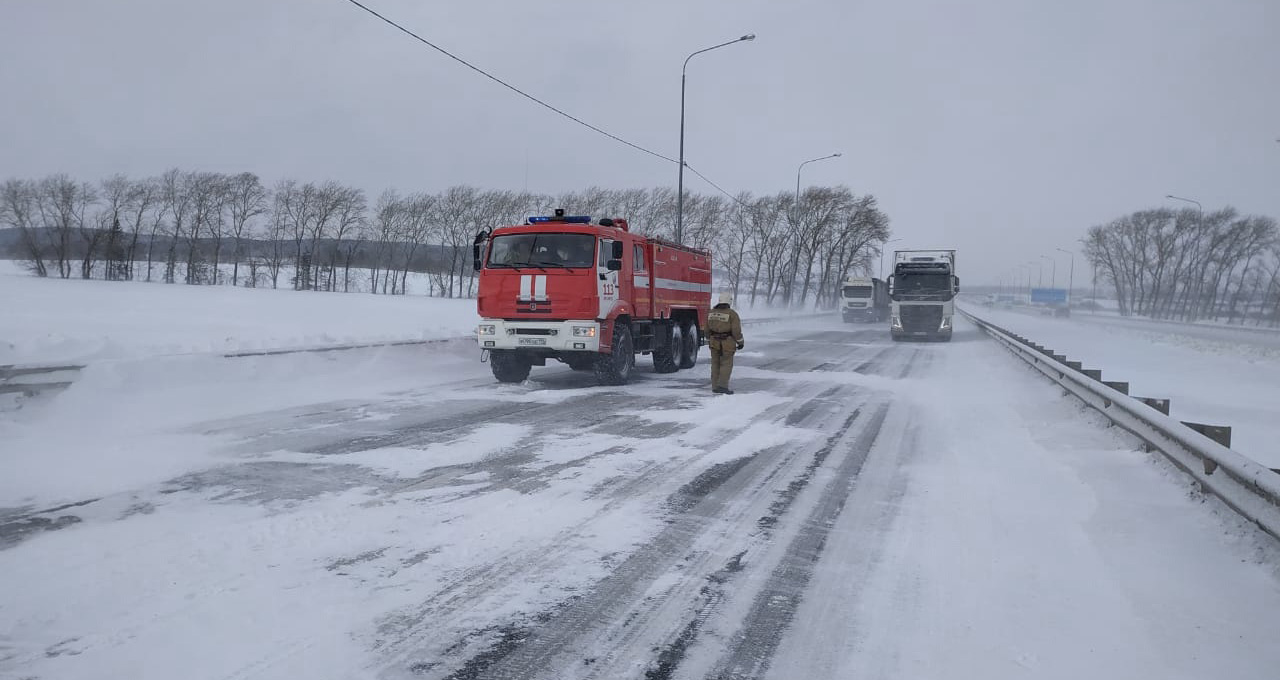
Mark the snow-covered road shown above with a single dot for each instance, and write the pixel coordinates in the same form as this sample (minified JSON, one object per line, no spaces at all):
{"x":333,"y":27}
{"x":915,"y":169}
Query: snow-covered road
{"x":859,"y":508}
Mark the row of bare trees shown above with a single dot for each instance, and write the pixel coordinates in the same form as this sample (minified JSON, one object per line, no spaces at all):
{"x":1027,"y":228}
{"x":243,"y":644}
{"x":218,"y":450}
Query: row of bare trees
{"x":783,"y":248}
{"x":1189,"y":265}
{"x":118,"y":224}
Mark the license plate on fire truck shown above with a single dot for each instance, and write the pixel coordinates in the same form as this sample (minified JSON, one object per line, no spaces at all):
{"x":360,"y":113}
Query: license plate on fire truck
{"x":533,"y":341}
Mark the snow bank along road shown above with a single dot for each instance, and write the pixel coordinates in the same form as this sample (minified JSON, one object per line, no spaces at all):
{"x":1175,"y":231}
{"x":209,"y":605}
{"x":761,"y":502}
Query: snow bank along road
{"x":859,"y":509}
{"x":1215,"y":375}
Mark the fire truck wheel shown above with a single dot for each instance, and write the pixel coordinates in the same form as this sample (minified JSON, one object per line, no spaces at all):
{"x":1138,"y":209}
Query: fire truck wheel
{"x":669,"y":360}
{"x":615,"y":368}
{"x":508,"y":367}
{"x":689,"y":352}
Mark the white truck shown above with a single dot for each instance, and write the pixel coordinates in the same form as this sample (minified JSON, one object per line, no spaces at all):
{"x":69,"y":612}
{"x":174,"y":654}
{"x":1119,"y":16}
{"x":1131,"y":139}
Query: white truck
{"x":922,"y":293}
{"x":864,"y":299}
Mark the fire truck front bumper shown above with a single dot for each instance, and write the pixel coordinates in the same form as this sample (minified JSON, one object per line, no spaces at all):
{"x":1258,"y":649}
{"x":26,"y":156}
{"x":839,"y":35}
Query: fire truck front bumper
{"x":548,"y":336}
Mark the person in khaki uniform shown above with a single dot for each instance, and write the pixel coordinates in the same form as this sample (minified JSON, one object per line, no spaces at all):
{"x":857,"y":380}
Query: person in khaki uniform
{"x":724,"y":337}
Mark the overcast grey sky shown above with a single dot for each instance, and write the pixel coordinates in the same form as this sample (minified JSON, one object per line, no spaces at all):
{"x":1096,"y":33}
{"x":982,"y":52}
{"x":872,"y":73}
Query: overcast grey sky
{"x":1002,"y":128}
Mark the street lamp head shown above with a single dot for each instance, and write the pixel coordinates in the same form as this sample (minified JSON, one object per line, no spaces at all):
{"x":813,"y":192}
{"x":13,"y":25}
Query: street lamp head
{"x":747,"y":37}
{"x":836,"y":155}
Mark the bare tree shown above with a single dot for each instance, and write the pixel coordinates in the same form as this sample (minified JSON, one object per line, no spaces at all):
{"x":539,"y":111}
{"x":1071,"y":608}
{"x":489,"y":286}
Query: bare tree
{"x":141,"y":204}
{"x":1184,"y":264}
{"x":246,"y":199}
{"x":326,"y":199}
{"x":456,"y":215}
{"x":861,"y":227}
{"x":418,"y":230}
{"x":388,"y":224}
{"x":19,"y":209}
{"x":63,"y":205}
{"x":772,"y":247}
{"x":347,"y":218}
{"x":734,"y":239}
{"x":176,"y":195}
{"x":117,"y":194}
{"x":277,"y":233}
{"x":208,"y":199}
{"x":296,"y":206}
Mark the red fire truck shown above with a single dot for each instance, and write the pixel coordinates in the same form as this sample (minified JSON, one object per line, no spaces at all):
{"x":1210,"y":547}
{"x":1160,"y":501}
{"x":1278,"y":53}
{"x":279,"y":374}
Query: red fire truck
{"x":590,"y":294}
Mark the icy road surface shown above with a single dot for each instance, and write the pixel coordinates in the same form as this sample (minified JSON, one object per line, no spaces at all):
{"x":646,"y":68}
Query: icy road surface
{"x":859,"y":509}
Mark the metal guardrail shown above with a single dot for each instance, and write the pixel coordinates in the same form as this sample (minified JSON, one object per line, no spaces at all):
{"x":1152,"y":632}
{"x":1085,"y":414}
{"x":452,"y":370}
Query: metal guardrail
{"x":780,"y":319}
{"x":1249,"y":488}
{"x":32,"y":380}
{"x":1135,"y":321}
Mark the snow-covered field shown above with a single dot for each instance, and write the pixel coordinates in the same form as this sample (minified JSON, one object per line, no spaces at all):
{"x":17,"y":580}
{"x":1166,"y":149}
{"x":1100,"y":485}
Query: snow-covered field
{"x":73,"y":320}
{"x":858,"y":508}
{"x":1211,"y":375}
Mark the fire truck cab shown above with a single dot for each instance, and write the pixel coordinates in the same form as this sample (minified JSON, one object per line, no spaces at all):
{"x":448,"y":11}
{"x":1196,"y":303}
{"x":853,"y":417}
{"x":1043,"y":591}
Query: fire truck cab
{"x":588,"y":293}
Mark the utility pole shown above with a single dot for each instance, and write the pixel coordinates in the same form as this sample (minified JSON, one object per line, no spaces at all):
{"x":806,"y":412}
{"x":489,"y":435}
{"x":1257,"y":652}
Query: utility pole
{"x":1071,"y":278}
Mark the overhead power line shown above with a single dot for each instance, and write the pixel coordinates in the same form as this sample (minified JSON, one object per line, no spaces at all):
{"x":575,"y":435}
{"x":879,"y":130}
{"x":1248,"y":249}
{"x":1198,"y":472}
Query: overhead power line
{"x":717,"y":186}
{"x":505,"y":84}
{"x":530,"y":97}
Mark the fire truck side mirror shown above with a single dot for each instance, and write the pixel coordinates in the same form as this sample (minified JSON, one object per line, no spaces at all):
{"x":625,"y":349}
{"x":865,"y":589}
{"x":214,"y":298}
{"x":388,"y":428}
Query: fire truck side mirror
{"x":476,"y":247}
{"x":889,"y":282}
{"x":955,"y":285}
{"x":617,"y":251}
{"x":614,"y":265}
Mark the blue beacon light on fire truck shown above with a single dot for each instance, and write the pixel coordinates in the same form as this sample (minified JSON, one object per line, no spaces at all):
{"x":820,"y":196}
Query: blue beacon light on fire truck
{"x":568,"y":219}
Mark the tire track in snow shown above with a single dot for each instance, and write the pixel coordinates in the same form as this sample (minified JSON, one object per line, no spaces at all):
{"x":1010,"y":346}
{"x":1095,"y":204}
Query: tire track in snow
{"x":603,"y":632}
{"x":404,"y":635}
{"x":723,"y":510}
{"x":775,"y":605}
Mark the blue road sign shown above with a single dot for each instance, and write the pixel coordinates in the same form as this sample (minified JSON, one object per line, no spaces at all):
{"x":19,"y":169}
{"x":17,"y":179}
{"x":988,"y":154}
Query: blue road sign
{"x":1049,"y":295}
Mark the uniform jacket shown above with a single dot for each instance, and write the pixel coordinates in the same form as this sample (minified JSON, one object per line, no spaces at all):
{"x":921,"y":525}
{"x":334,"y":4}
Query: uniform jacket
{"x":723,"y":322}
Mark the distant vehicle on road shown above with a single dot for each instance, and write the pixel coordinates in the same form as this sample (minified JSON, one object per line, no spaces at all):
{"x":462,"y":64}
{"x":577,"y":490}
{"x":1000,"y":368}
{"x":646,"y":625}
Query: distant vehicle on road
{"x":864,"y":299}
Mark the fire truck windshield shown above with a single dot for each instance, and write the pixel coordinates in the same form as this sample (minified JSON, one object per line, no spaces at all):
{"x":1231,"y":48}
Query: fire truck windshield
{"x":565,"y":251}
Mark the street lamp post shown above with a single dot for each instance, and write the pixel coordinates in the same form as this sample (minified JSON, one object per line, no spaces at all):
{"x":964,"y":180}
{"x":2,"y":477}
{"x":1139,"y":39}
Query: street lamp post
{"x":1189,"y":200}
{"x":680,"y":181}
{"x":1095,"y":286}
{"x":1053,"y":276}
{"x":882,"y":245}
{"x":812,"y":160}
{"x":1071,"y":277}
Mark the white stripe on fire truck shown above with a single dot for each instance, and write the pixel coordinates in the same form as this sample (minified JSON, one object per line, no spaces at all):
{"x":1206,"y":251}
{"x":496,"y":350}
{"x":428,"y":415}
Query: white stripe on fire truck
{"x":687,"y":286}
{"x":642,"y":281}
{"x":526,"y":285}
{"x":540,"y":287}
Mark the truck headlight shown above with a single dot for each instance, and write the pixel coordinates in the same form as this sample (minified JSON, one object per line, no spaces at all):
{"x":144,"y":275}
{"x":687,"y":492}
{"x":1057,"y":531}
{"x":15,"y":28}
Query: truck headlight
{"x":946,"y":324}
{"x":584,"y":331}
{"x":895,"y":322}
{"x":487,"y":329}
